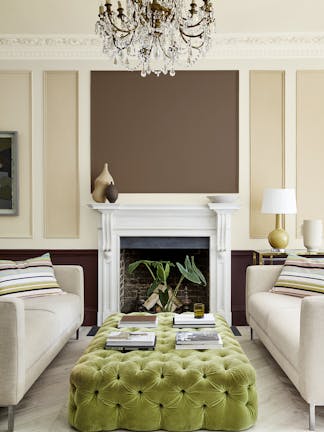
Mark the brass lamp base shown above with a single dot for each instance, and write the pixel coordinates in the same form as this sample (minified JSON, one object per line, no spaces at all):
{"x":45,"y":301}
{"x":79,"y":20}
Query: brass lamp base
{"x":278,"y":239}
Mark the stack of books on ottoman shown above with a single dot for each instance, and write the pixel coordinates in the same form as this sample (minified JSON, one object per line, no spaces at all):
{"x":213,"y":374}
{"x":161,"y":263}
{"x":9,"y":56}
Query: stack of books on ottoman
{"x":188,"y":320}
{"x":130,"y":341}
{"x":208,"y":339}
{"x":147,"y":321}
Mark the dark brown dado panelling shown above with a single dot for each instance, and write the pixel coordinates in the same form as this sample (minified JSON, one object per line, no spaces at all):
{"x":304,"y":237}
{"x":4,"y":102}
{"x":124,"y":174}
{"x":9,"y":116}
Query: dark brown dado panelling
{"x":88,"y":259}
{"x":166,"y":134}
{"x":240,"y":261}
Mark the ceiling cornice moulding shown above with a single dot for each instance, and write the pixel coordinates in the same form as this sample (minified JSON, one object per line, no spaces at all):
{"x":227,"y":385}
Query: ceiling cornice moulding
{"x":225,"y":46}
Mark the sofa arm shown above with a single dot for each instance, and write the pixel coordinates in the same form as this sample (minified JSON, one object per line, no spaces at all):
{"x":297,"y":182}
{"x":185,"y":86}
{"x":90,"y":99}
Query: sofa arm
{"x":12,"y":351}
{"x":311,"y":354}
{"x":259,"y":278}
{"x":70,"y":279}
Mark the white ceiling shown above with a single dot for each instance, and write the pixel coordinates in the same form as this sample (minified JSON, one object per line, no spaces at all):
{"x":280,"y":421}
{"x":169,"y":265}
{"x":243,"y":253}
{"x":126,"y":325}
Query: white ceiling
{"x":233,"y":16}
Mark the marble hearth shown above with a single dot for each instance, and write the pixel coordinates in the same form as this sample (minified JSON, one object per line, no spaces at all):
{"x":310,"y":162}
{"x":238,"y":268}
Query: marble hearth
{"x":118,"y":221}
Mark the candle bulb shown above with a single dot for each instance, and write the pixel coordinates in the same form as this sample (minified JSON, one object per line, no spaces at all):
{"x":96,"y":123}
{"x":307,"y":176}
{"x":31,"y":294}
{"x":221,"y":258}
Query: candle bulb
{"x":119,"y":5}
{"x":101,"y":10}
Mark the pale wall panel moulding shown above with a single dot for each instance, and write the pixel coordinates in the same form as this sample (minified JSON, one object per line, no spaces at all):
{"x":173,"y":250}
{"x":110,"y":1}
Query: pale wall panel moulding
{"x":310,"y":150}
{"x":267,"y":127}
{"x":16,"y":115}
{"x":226,"y":45}
{"x":61,"y":155}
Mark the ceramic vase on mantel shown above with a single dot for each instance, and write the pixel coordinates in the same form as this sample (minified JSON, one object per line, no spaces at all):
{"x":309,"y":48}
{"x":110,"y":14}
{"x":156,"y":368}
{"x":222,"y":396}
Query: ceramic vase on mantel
{"x":100,"y":185}
{"x":112,"y":193}
{"x":312,"y":230}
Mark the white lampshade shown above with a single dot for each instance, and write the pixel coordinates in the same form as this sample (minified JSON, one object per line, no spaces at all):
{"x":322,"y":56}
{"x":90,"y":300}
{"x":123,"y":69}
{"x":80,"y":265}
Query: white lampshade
{"x":279,"y":201}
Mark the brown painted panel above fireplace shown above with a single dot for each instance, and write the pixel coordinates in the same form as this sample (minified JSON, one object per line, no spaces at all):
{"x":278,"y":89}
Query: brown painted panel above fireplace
{"x":168,"y":134}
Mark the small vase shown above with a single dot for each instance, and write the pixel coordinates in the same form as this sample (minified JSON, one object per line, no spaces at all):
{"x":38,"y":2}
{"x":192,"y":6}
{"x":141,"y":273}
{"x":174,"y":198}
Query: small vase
{"x":312,"y":230}
{"x":100,"y":185}
{"x":112,"y":193}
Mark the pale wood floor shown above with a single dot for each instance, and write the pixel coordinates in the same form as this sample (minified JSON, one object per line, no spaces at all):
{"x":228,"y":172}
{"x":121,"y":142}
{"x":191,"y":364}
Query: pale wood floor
{"x":44,"y":407}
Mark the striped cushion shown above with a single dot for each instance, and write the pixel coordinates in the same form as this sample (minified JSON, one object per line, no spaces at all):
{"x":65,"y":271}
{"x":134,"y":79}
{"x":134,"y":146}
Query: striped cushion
{"x":301,"y":277}
{"x":27,"y":276}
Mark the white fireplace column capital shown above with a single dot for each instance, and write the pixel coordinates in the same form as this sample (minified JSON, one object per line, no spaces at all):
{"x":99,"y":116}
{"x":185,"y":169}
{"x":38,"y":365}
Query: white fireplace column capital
{"x":223,"y":224}
{"x":224,"y":208}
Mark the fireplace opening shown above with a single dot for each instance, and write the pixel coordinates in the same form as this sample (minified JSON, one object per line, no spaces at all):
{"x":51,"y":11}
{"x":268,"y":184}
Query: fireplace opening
{"x":133,"y":287}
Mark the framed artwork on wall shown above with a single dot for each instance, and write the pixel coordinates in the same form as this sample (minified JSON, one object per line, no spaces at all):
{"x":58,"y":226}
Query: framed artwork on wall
{"x":8,"y":174}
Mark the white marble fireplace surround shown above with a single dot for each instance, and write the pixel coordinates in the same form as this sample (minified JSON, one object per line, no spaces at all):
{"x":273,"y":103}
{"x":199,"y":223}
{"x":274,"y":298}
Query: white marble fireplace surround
{"x":120,"y":220}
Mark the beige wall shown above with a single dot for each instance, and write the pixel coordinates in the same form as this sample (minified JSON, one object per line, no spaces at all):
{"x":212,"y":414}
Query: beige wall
{"x":30,"y":93}
{"x":310,"y":146}
{"x":267,"y":134}
{"x":61,"y":163}
{"x":16,"y":115}
{"x":88,"y":222}
{"x":78,"y":16}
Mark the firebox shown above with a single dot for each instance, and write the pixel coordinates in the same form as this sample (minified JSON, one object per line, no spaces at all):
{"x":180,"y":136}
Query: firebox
{"x":133,"y":287}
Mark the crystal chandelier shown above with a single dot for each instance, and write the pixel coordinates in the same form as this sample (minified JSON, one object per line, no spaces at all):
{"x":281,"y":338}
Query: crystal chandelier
{"x":155,"y":35}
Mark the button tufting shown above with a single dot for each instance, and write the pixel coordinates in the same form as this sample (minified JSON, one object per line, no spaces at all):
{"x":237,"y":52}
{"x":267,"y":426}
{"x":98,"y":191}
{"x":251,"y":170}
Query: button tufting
{"x":137,"y":367}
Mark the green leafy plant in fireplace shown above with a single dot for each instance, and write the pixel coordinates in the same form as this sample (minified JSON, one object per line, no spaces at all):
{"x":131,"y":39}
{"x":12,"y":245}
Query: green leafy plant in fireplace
{"x":159,"y":293}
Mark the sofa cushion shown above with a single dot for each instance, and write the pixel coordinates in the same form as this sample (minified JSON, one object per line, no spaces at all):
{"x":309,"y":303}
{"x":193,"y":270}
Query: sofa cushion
{"x":41,"y":330}
{"x":65,"y":307}
{"x":31,"y":275}
{"x":263,"y":305}
{"x":284,"y":331}
{"x":301,"y":277}
{"x":47,"y":318}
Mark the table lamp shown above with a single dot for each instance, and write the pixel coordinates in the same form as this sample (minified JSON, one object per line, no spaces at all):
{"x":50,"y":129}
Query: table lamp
{"x":279,"y":202}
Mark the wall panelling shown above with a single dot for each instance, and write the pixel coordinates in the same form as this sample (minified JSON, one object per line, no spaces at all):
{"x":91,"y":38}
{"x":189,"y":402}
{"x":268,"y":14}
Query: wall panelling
{"x":310,"y":146}
{"x":61,"y":161}
{"x":267,"y":127}
{"x":16,"y":115}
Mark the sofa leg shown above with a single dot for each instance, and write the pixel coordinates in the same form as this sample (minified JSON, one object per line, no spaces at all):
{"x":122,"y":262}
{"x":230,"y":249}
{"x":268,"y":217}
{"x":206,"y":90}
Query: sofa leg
{"x":311,"y":417}
{"x":11,"y":418}
{"x":77,"y":334}
{"x":251,"y":333}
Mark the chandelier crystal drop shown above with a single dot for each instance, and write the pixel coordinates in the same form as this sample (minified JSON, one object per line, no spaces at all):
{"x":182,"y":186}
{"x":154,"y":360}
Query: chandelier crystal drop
{"x":155,"y":35}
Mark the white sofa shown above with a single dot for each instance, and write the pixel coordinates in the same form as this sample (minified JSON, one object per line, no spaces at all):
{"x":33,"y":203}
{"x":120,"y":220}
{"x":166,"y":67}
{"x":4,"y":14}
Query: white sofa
{"x":32,"y":332}
{"x":291,"y":329}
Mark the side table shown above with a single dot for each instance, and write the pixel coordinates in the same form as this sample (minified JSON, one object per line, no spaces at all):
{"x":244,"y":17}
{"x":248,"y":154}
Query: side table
{"x":269,"y":257}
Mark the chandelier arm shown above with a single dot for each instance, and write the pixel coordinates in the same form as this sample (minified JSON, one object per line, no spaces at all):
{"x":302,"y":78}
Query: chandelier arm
{"x":122,"y":37}
{"x":192,"y":36}
{"x":121,"y":30}
{"x":185,"y":40}
{"x":197,"y":24}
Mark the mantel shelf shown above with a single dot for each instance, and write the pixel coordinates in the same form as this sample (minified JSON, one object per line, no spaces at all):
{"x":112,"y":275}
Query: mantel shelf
{"x":108,"y":207}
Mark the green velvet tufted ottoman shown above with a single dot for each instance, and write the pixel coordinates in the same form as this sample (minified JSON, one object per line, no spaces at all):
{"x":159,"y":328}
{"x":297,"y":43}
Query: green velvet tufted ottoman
{"x":174,"y":390}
